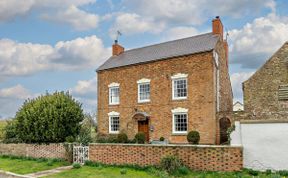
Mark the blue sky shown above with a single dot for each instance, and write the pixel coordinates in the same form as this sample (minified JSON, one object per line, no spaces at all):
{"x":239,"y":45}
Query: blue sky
{"x":48,"y":45}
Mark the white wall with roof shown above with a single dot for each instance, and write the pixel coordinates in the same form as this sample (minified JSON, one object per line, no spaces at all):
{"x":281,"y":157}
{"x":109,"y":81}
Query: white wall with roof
{"x":265,"y":144}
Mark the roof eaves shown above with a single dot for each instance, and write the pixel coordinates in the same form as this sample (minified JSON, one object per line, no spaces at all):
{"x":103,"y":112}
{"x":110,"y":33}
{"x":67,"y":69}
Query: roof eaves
{"x":158,"y":59}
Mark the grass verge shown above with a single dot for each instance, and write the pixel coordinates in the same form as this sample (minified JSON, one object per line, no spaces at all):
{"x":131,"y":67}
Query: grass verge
{"x":26,"y":165}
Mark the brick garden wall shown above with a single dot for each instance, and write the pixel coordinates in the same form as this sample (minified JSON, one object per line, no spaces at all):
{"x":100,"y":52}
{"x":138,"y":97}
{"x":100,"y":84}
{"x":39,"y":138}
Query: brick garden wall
{"x":212,"y":158}
{"x":34,"y":150}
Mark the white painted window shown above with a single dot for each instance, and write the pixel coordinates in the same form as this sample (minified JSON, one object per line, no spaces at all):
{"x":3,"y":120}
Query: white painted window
{"x":114,"y":122}
{"x":143,"y":90}
{"x":180,"y":121}
{"x":114,"y":93}
{"x":179,"y":86}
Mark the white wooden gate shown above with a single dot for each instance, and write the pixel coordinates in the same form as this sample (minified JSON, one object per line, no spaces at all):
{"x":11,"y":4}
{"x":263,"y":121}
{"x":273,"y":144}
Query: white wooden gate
{"x":80,"y":154}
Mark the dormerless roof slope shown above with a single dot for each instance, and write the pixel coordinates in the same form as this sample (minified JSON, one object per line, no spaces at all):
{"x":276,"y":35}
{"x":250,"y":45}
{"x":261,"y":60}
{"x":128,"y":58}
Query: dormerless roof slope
{"x":181,"y":47}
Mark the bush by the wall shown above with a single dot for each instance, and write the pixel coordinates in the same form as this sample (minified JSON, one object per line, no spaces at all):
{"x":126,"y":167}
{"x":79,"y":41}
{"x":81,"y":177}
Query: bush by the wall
{"x":170,"y":164}
{"x":193,"y":137}
{"x":48,"y":118}
{"x":76,"y":165}
{"x":122,"y":138}
{"x":70,"y":139}
{"x":140,"y":137}
{"x":162,"y":139}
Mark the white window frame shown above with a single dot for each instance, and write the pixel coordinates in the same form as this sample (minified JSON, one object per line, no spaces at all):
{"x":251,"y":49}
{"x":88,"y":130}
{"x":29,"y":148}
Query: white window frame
{"x":113,"y":86}
{"x":176,"y":77}
{"x":179,"y":111}
{"x":143,"y":81}
{"x":113,"y":114}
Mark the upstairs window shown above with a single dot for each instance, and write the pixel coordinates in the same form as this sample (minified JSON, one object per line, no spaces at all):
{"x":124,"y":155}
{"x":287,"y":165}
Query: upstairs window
{"x":114,"y":93}
{"x":179,"y":86}
{"x":143,"y":90}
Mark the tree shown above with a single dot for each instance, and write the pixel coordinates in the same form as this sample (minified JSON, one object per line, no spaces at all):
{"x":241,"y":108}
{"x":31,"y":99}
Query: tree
{"x":48,"y":118}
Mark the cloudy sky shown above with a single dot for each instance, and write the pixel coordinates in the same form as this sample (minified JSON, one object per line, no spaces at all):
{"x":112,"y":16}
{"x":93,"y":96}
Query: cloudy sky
{"x":48,"y":45}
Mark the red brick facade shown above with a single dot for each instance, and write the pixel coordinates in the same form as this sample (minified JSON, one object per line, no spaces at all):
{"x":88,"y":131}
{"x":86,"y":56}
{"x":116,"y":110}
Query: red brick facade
{"x":201,"y":101}
{"x":212,"y":158}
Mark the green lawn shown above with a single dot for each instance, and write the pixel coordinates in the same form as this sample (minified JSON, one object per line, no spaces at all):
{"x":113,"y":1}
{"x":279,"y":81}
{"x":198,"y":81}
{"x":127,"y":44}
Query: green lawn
{"x":2,"y":126}
{"x":114,"y":172}
{"x":97,"y":172}
{"x":24,"y":166}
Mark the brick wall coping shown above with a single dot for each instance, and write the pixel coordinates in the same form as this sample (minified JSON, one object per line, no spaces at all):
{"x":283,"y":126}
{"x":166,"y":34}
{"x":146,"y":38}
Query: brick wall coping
{"x":168,"y":145}
{"x":262,"y":121}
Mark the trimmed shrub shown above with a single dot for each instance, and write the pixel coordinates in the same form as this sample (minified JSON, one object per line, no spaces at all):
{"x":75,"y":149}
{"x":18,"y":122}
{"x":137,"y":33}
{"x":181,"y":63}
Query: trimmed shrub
{"x":48,"y":118}
{"x":76,"y":165}
{"x":193,"y":137}
{"x":50,"y":163}
{"x":123,"y":171}
{"x":140,"y":137}
{"x":122,"y":138}
{"x":183,"y":170}
{"x":170,"y":164}
{"x":162,"y":139}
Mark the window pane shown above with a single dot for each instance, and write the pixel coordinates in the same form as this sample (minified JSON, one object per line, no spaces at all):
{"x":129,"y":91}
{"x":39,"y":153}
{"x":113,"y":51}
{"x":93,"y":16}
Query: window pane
{"x":180,"y":88}
{"x":114,"y":95}
{"x":114,"y":124}
{"x":180,"y":122}
{"x":144,"y":92}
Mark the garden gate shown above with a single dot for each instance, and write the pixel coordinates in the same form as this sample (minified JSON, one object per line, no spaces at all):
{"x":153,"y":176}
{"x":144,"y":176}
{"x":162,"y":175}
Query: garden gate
{"x":80,"y":154}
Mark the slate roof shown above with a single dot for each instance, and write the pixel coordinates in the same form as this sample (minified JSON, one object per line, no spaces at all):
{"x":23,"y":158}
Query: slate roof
{"x":181,"y":47}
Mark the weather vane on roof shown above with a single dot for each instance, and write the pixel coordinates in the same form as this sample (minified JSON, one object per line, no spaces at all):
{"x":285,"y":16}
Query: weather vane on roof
{"x":117,"y":35}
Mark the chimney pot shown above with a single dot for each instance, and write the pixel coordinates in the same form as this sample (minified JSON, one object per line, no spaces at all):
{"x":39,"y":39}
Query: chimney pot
{"x":217,"y":27}
{"x":117,"y":49}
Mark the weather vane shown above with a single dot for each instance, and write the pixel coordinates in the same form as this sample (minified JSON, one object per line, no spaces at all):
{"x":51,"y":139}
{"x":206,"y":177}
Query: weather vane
{"x":117,"y":35}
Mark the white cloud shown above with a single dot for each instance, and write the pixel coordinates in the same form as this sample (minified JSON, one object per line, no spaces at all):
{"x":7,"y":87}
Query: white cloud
{"x":131,"y":23}
{"x":256,"y":41}
{"x":26,"y":58}
{"x":15,"y":92}
{"x":12,"y":8}
{"x":236,"y":81}
{"x":180,"y":32}
{"x":85,"y":91}
{"x":85,"y":88}
{"x":66,"y":11}
{"x":75,"y":17}
{"x":11,"y":99}
{"x":194,"y":12}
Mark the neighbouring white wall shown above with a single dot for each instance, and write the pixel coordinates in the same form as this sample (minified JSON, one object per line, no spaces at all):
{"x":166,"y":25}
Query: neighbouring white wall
{"x":265,"y":144}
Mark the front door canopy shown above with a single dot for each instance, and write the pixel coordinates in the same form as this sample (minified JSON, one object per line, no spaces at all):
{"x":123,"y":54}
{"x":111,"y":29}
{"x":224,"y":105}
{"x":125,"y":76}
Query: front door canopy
{"x":141,"y":116}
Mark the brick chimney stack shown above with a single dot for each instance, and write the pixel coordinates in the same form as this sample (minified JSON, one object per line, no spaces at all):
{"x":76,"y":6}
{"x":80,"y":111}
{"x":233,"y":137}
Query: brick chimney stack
{"x":117,"y":49}
{"x":217,"y":27}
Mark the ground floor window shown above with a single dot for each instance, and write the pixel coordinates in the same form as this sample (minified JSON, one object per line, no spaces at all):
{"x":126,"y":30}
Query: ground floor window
{"x":114,"y":122}
{"x":180,"y":122}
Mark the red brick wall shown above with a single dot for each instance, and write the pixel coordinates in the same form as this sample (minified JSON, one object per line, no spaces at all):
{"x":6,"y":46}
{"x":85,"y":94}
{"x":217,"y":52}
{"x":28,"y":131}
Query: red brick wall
{"x":212,"y":158}
{"x":34,"y":150}
{"x":200,"y":102}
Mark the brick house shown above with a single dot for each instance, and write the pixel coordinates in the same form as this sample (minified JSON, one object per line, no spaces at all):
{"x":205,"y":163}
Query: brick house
{"x":266,"y":91}
{"x":167,"y":89}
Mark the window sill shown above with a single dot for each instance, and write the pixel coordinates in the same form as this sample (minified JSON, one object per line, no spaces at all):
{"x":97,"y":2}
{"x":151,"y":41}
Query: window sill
{"x":180,"y":134}
{"x":177,"y":99}
{"x":114,"y":132}
{"x":116,"y":104}
{"x":143,"y":102}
